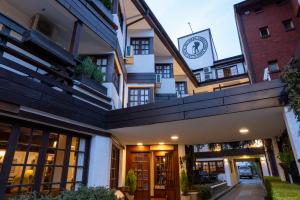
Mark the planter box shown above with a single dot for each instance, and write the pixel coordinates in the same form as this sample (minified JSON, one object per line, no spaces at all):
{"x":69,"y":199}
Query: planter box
{"x":193,"y":195}
{"x":92,"y":84}
{"x":185,"y":197}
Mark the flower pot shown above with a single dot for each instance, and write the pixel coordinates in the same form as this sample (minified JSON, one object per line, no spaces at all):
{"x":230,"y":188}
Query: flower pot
{"x":185,"y":197}
{"x":129,"y":197}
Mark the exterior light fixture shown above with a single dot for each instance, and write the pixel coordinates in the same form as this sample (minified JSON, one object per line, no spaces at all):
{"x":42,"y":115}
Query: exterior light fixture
{"x":244,"y":131}
{"x":140,"y":144}
{"x":174,"y":137}
{"x":161,"y":143}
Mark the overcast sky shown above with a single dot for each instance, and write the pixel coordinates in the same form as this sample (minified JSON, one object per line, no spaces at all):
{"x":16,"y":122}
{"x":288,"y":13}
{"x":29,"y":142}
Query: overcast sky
{"x":218,"y":15}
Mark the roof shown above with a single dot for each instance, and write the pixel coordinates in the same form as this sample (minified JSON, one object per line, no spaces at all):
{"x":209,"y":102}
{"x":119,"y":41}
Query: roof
{"x":144,"y":9}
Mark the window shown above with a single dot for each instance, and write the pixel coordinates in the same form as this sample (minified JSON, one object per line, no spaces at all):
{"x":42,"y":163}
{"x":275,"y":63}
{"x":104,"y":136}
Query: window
{"x":258,"y":9}
{"x":273,"y":66}
{"x":76,"y":163}
{"x":141,"y":46}
{"x":160,"y":170}
{"x":227,"y":72}
{"x":139,"y":96}
{"x":114,"y":171}
{"x":264,"y":32}
{"x":41,"y":154}
{"x":280,"y":2}
{"x":181,"y":89}
{"x":102,"y":64}
{"x":288,"y":25}
{"x":198,"y":77}
{"x":165,"y":70}
{"x":210,"y":167}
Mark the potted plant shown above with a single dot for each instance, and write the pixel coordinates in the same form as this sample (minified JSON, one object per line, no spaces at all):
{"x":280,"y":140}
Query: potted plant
{"x":131,"y":184}
{"x":184,"y":185}
{"x":87,"y":69}
{"x":286,"y":158}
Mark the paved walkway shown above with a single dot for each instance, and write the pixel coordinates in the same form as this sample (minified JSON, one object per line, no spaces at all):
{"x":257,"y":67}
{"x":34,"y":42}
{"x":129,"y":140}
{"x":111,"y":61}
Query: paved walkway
{"x":248,"y":190}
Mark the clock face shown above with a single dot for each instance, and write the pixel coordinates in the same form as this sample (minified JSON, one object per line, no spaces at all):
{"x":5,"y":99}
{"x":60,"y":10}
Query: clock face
{"x":195,"y":47}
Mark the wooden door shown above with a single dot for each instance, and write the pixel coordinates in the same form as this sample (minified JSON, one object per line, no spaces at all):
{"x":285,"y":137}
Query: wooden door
{"x":171,"y":177}
{"x":140,"y":163}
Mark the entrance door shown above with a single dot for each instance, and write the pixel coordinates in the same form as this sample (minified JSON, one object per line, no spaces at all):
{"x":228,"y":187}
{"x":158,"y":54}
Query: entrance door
{"x":140,"y":163}
{"x":172,"y":182}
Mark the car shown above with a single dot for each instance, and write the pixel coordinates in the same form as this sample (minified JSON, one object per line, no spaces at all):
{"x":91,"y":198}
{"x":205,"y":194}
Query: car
{"x":245,"y":171}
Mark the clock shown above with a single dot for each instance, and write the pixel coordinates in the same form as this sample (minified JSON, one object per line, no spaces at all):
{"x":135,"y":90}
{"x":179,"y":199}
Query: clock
{"x":195,"y":47}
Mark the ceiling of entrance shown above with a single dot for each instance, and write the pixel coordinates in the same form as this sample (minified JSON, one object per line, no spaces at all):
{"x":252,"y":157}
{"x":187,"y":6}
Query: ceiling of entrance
{"x":262,"y":124}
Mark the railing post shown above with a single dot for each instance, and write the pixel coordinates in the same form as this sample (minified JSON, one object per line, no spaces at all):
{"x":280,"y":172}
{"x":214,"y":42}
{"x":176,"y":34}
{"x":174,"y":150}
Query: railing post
{"x":3,"y":41}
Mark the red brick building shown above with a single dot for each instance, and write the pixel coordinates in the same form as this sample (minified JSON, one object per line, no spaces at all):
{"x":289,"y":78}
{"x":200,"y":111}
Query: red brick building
{"x":269,"y":32}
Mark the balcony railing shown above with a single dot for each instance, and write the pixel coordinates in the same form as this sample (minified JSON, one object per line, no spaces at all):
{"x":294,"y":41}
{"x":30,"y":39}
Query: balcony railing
{"x":44,"y":65}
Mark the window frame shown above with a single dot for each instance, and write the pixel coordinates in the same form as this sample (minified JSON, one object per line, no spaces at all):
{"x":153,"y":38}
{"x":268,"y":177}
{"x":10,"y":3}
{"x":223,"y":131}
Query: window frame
{"x":180,"y":85}
{"x":268,"y":32}
{"x":166,"y":70}
{"x":139,"y":95}
{"x":138,"y":46}
{"x":43,"y":150}
{"x":291,"y":23}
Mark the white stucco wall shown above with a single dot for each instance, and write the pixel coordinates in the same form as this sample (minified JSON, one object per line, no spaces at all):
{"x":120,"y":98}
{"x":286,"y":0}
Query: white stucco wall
{"x":168,"y":86}
{"x":100,"y":161}
{"x":142,"y":64}
{"x":293,"y":126}
{"x":113,"y":94}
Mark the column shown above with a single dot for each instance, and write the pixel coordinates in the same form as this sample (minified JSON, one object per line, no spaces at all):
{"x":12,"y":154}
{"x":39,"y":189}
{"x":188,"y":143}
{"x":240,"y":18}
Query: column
{"x":181,"y":154}
{"x":276,"y":153}
{"x":264,"y":166}
{"x":293,"y":130}
{"x":228,"y":172}
{"x":100,"y":161}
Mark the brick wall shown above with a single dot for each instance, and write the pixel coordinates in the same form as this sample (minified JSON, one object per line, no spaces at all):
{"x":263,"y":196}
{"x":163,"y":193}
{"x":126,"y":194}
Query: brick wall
{"x":280,"y":46}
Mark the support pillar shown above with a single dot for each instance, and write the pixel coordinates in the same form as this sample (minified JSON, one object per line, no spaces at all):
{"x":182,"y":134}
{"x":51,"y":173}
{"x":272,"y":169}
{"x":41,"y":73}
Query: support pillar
{"x":293,"y":130}
{"x":264,"y":166}
{"x":228,"y":172}
{"x":276,"y":153}
{"x":100,"y":162}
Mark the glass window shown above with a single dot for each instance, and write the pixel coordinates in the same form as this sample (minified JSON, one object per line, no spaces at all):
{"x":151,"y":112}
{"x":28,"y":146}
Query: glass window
{"x":181,"y":89}
{"x":141,"y":46}
{"x":165,"y":70}
{"x":227,"y":71}
{"x":102,"y":64}
{"x":264,"y":32}
{"x":22,"y":171}
{"x":139,"y":96}
{"x":198,"y":77}
{"x":76,"y":163}
{"x":114,"y":172}
{"x":273,"y":66}
{"x":288,"y":25}
{"x":160,"y":170}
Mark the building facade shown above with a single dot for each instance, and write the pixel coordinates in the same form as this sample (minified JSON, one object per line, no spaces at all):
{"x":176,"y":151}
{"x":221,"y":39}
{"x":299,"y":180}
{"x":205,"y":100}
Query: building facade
{"x":212,"y":74}
{"x":61,"y":128}
{"x":269,"y":36}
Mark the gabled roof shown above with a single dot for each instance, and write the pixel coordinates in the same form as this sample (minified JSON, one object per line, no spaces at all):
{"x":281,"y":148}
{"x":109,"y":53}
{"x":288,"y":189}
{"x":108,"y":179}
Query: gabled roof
{"x":144,"y":9}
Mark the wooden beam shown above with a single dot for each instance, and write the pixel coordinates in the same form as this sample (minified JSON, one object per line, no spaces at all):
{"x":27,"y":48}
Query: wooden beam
{"x":77,"y":29}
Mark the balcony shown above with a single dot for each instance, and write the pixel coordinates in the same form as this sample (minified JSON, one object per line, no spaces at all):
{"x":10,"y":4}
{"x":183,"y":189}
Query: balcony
{"x":36,"y":76}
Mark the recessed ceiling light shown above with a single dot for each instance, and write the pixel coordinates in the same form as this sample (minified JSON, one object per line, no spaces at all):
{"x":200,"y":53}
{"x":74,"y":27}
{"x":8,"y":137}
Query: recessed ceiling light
{"x":244,"y":131}
{"x":174,"y":137}
{"x":140,"y":144}
{"x":161,"y":143}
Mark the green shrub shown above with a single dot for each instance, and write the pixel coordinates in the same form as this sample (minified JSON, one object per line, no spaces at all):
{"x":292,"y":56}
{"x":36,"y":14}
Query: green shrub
{"x":204,"y":191}
{"x":85,"y":193}
{"x":88,"y":69}
{"x":184,"y":183}
{"x":107,"y":3}
{"x":131,"y":181}
{"x":278,"y":190}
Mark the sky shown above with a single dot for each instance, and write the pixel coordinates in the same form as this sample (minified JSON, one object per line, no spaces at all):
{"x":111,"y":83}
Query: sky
{"x":218,"y":15}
